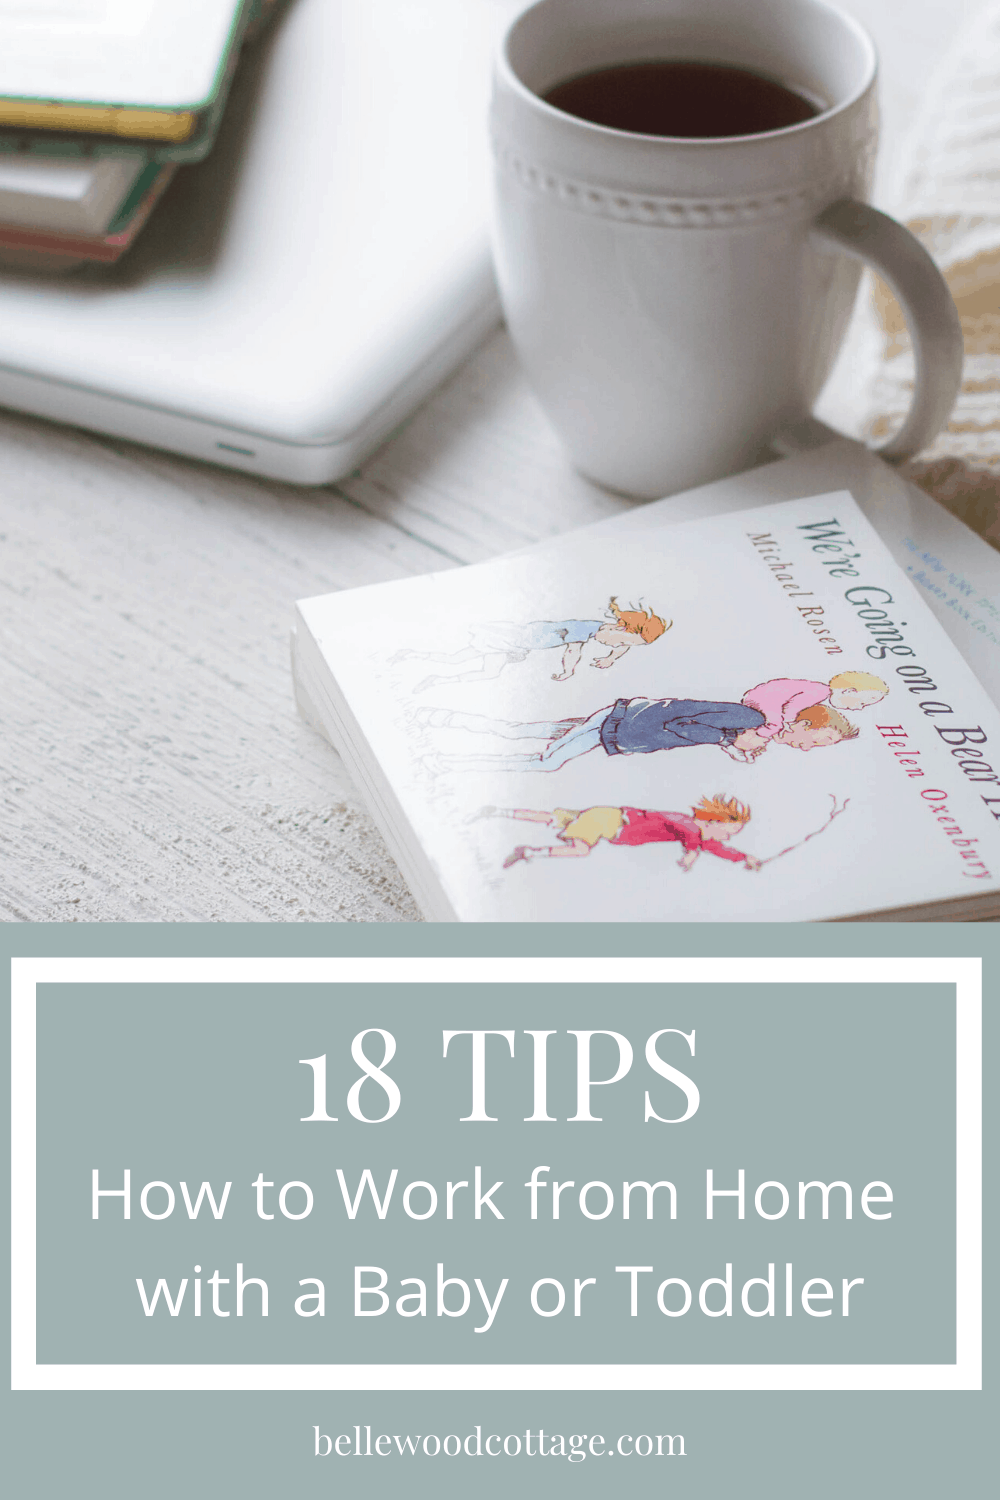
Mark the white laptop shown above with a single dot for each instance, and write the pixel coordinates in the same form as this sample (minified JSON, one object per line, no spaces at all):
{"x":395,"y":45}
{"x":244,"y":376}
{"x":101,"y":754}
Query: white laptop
{"x":298,"y":293}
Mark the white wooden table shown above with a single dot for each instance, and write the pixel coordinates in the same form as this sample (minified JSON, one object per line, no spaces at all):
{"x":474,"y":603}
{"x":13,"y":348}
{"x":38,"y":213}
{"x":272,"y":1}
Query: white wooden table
{"x":152,"y":765}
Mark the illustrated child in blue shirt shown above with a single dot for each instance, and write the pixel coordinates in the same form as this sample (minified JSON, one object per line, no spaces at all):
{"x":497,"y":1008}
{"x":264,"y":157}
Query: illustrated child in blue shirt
{"x":502,"y":643}
{"x":638,"y":726}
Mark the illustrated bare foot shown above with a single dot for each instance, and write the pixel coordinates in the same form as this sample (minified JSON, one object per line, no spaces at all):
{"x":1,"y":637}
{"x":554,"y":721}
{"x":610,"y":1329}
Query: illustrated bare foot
{"x":484,"y":812}
{"x":521,"y":852}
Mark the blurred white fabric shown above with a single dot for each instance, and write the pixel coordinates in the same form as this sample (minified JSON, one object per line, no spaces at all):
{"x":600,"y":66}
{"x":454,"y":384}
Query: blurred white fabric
{"x":948,"y":192}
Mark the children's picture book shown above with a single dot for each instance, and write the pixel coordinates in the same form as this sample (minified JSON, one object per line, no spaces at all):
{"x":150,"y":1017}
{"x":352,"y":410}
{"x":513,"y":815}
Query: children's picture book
{"x":956,"y":572}
{"x":748,"y":716}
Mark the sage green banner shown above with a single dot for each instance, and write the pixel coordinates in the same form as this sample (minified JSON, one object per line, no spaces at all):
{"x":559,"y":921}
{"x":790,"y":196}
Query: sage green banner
{"x":198,"y":1091}
{"x":791,"y":1155}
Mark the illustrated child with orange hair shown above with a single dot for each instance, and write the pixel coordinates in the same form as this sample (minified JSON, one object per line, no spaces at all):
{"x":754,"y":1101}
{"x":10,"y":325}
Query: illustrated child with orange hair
{"x":706,"y":830}
{"x":783,"y":698}
{"x":502,"y":643}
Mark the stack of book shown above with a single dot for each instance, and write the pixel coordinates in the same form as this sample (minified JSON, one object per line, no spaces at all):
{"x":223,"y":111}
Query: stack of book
{"x":99,"y":104}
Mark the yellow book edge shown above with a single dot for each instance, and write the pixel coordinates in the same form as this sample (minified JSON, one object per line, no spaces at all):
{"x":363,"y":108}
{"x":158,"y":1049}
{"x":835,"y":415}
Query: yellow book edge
{"x":175,"y":126}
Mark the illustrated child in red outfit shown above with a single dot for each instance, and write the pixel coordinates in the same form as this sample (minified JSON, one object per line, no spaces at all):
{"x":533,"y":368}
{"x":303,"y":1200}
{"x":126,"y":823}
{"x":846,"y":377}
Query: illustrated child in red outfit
{"x":706,"y":830}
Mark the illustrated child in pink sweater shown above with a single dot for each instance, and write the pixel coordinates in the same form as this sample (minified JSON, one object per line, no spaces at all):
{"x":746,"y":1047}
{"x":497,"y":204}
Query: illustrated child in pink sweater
{"x":782,"y":699}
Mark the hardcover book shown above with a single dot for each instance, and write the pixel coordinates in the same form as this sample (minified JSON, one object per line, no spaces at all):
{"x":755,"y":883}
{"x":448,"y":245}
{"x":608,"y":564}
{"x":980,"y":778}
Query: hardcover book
{"x":36,"y":248}
{"x":65,"y":195}
{"x":748,"y":716}
{"x":153,"y":71}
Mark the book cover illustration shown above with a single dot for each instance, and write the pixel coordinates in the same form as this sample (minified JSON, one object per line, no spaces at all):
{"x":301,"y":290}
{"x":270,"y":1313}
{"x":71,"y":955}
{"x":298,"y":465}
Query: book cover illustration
{"x":763,"y":690}
{"x":502,"y":643}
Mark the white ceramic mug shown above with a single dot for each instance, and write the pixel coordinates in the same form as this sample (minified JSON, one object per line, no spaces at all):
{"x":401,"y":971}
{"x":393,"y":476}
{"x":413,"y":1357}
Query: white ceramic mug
{"x":678,"y":303}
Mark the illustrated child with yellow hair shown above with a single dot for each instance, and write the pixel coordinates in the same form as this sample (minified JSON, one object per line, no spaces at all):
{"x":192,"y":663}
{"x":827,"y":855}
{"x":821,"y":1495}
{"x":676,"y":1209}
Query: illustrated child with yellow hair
{"x":706,"y":830}
{"x":782,"y":699}
{"x":502,"y":643}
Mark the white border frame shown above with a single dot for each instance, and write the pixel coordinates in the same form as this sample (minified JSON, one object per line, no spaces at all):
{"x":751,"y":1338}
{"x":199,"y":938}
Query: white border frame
{"x":964,"y":1375}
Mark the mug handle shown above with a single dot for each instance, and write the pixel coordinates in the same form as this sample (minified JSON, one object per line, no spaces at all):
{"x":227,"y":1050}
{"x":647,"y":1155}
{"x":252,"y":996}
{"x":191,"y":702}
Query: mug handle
{"x":866,"y":234}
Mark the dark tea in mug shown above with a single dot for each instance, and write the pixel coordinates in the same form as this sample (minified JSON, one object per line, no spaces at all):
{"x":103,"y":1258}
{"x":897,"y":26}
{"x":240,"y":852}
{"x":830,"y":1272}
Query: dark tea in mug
{"x":693,"y":100}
